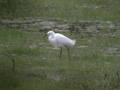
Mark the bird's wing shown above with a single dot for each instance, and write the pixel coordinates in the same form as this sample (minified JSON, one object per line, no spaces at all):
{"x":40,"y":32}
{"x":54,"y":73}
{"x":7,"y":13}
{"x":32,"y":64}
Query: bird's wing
{"x":63,"y":40}
{"x":61,"y":37}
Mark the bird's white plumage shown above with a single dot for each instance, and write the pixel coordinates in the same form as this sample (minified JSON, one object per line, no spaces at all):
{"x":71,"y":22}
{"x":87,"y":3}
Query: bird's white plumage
{"x":59,"y":40}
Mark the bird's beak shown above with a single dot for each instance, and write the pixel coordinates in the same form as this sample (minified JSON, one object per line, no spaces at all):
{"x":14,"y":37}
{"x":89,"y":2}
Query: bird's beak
{"x":47,"y":33}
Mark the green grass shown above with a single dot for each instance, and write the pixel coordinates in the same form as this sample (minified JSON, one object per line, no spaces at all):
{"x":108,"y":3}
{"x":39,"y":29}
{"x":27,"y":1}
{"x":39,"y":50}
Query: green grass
{"x":95,"y":58}
{"x":64,"y":9}
{"x":39,"y":68}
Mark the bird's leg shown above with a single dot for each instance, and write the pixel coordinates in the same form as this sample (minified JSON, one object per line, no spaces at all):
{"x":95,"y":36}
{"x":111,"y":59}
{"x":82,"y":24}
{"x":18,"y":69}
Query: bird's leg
{"x":60,"y":53}
{"x":68,"y":50}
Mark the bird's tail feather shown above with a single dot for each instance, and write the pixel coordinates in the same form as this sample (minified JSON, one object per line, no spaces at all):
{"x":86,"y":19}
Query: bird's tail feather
{"x":73,"y":42}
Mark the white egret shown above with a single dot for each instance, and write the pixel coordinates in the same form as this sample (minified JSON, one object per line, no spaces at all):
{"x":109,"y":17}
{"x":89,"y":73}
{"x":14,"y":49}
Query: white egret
{"x":59,"y":41}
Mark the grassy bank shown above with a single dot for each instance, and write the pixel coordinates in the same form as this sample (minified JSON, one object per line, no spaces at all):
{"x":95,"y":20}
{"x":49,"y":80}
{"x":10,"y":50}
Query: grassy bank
{"x":94,"y":64}
{"x":95,"y":57}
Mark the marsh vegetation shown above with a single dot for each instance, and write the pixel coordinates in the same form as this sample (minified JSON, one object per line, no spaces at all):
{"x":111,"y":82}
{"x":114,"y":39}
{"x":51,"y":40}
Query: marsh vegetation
{"x":95,"y":59}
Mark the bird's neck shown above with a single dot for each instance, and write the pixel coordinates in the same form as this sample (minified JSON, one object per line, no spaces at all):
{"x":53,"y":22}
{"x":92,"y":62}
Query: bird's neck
{"x":52,"y":36}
